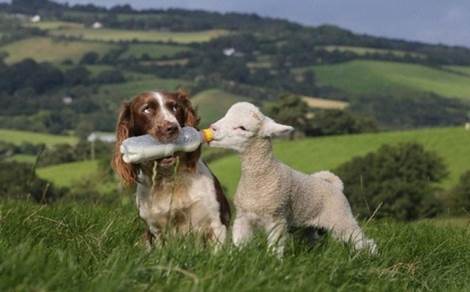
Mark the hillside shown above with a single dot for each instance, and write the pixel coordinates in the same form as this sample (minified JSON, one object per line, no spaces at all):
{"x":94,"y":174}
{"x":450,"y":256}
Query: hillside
{"x":18,"y":137}
{"x":327,"y":153}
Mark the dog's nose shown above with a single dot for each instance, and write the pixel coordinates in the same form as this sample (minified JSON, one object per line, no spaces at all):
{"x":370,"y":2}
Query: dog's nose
{"x":171,"y":129}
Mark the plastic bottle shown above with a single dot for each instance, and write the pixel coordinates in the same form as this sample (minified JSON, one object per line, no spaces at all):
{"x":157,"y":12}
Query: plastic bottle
{"x":146,"y":147}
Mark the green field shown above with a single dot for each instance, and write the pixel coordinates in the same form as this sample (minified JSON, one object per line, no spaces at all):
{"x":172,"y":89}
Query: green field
{"x":27,"y":158}
{"x":54,"y":24}
{"x":65,"y":175}
{"x":459,"y":69}
{"x":46,"y":49}
{"x":327,"y":153}
{"x":361,"y":51}
{"x":18,"y":137}
{"x":116,"y":35}
{"x":90,"y":247}
{"x":389,"y":78}
{"x":213,"y":103}
{"x":154,"y":51}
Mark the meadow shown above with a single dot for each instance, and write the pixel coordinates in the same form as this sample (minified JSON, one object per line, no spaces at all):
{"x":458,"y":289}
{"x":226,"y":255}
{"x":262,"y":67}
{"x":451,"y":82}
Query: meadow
{"x":17,"y":137}
{"x":390,"y":78}
{"x":326,"y":153}
{"x":85,"y":247}
{"x":116,"y":35}
{"x":44,"y":49}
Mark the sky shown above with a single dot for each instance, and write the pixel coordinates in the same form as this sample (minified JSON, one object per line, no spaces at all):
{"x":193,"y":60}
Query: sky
{"x":432,"y":21}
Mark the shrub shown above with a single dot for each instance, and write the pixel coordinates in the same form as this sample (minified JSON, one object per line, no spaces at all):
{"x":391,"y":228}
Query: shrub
{"x":461,"y":195}
{"x":19,"y":180}
{"x":337,"y":122}
{"x":398,"y":181}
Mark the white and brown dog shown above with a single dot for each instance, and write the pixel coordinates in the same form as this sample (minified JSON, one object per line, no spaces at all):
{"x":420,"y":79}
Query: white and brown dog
{"x":176,"y":194}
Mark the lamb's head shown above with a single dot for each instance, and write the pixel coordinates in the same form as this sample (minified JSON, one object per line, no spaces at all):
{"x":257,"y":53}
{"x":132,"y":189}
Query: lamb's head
{"x":242,"y":124}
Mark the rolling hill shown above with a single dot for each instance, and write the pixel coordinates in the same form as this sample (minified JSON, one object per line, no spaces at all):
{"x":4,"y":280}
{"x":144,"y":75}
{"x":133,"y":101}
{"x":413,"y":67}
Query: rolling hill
{"x":391,"y":78}
{"x":66,"y":174}
{"x":314,"y":154}
{"x":18,"y":137}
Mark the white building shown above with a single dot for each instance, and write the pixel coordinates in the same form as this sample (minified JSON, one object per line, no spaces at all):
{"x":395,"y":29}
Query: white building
{"x":467,"y":126}
{"x":35,"y":19}
{"x":229,"y":52}
{"x":102,"y":136}
{"x":97,"y":25}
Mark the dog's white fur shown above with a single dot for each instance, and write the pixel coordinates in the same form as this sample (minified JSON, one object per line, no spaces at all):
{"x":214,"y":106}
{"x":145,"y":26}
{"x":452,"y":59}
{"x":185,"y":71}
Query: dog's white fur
{"x":275,"y":197}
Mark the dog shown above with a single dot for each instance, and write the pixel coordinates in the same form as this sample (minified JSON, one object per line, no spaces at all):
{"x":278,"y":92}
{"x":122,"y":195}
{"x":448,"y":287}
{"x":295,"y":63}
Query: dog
{"x":176,"y":194}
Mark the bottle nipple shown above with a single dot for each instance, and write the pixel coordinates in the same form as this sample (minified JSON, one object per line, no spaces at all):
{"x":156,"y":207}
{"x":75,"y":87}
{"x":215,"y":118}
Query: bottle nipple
{"x":208,"y":135}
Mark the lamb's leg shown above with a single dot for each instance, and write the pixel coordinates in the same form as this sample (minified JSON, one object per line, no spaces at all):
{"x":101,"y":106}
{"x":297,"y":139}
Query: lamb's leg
{"x":242,"y":229}
{"x":345,"y":228}
{"x":277,"y":231}
{"x":151,"y":237}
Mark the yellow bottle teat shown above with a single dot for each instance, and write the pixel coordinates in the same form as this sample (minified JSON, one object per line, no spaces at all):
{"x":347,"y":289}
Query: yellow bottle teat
{"x":208,"y":135}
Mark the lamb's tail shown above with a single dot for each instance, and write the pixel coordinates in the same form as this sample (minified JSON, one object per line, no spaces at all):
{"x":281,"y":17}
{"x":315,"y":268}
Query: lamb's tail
{"x":331,"y":178}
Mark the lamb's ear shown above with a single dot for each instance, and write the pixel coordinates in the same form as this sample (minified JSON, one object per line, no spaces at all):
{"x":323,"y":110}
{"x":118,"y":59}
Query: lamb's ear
{"x":270,"y":128}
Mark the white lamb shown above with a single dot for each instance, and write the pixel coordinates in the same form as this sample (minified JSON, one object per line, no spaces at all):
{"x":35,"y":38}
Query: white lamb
{"x":275,"y":197}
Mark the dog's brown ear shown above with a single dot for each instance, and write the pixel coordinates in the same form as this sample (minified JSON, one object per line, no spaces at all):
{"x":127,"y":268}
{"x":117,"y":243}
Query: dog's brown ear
{"x":127,"y":172}
{"x":191,"y":117}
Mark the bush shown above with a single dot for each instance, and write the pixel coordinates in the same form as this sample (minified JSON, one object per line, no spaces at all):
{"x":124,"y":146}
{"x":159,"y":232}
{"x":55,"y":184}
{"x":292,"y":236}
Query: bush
{"x":338,"y":122}
{"x":461,"y":195}
{"x":19,"y":180}
{"x":398,"y":181}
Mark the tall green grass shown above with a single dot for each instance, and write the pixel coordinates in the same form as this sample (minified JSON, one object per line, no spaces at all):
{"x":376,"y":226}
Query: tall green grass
{"x":71,"y":247}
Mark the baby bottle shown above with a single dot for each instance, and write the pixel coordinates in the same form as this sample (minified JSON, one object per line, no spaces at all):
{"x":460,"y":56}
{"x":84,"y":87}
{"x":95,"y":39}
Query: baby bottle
{"x":146,"y":147}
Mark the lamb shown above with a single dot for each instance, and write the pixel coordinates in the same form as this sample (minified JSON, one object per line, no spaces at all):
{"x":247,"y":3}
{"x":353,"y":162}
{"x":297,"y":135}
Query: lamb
{"x":275,"y":197}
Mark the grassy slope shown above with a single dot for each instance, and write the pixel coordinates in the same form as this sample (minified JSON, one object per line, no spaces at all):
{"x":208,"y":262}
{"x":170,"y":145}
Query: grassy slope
{"x":18,"y":137}
{"x":212,"y":104}
{"x":376,"y":77}
{"x":315,"y":154}
{"x":364,"y":50}
{"x":46,"y":49}
{"x":460,"y":69}
{"x":94,"y":248}
{"x":115,"y":35}
{"x":66,"y":174}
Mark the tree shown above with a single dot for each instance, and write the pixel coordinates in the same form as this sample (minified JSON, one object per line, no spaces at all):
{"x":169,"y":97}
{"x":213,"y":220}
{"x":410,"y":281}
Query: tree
{"x":395,"y":181}
{"x":290,"y":110}
{"x":461,"y":194}
{"x":89,"y":58}
{"x":337,"y":122}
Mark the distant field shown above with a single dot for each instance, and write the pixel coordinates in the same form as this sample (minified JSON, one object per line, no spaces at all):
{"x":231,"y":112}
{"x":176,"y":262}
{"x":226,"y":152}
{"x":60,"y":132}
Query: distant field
{"x":315,"y":154}
{"x":154,"y":51}
{"x":460,"y":69}
{"x":46,"y":49}
{"x":18,"y":137}
{"x":51,"y":25}
{"x":364,"y":50}
{"x":113,"y":94}
{"x":66,"y":174}
{"x":388,"y":78}
{"x":321,"y":103}
{"x":115,"y":35}
{"x":23,"y":158}
{"x":213,"y":103}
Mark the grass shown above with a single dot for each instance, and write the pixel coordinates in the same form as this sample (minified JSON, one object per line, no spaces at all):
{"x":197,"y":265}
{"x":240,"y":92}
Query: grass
{"x":116,"y":35}
{"x":54,"y":24}
{"x":27,"y":158}
{"x":113,"y":94}
{"x":44,"y":49}
{"x":154,"y":51}
{"x":213,"y":103}
{"x":17,"y":137}
{"x":389,"y":78}
{"x":314,"y":154}
{"x":66,"y":174}
{"x":73,"y":247}
{"x":459,"y":69}
{"x":361,"y":51}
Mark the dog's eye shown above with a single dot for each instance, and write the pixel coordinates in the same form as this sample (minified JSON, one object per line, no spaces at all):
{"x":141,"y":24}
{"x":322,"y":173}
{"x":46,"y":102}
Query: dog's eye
{"x":174,"y":108}
{"x":147,"y":109}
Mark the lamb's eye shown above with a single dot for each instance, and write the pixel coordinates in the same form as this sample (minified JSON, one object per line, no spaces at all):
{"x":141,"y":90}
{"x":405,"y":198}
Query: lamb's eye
{"x":241,"y":128}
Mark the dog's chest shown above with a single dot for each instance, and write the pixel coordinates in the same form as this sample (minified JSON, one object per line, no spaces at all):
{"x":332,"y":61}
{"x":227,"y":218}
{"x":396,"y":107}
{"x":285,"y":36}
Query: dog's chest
{"x":171,"y":206}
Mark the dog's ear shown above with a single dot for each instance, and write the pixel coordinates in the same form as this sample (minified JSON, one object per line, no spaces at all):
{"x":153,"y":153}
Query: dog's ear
{"x":191,"y":118}
{"x":270,"y":128}
{"x":127,"y":172}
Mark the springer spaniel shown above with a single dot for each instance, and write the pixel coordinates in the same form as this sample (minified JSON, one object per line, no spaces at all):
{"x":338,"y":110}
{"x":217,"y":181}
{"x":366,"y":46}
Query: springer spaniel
{"x":176,"y":194}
